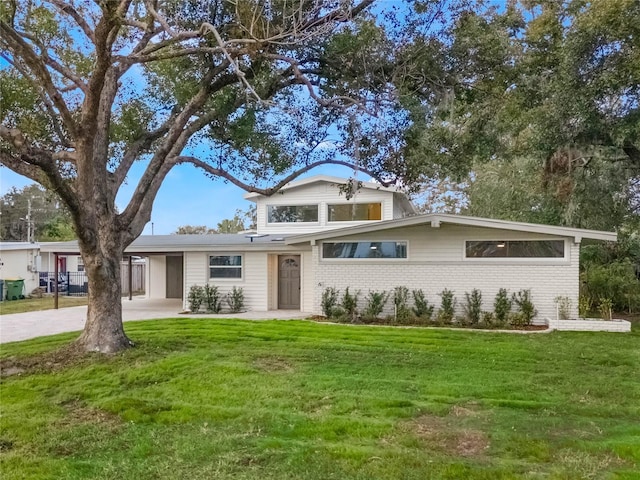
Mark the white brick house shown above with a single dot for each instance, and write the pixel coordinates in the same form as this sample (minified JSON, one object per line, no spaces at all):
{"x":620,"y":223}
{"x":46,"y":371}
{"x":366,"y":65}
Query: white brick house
{"x":309,"y":237}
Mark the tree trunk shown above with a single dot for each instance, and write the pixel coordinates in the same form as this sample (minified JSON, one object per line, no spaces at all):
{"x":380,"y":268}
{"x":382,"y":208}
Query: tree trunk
{"x":103,"y":331}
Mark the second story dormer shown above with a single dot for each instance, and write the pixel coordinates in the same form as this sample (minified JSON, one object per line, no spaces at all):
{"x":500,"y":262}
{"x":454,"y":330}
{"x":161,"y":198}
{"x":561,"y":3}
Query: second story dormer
{"x":318,"y":203}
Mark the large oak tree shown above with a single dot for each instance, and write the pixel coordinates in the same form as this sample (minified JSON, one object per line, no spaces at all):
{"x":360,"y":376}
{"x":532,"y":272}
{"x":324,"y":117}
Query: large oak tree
{"x":247,"y":90}
{"x":552,"y":80}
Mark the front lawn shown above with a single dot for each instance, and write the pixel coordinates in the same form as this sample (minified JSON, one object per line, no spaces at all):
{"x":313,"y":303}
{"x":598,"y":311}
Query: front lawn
{"x":36,"y":304}
{"x":223,"y":399}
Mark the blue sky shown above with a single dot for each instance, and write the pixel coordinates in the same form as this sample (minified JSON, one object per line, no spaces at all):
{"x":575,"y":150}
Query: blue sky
{"x":187,"y":197}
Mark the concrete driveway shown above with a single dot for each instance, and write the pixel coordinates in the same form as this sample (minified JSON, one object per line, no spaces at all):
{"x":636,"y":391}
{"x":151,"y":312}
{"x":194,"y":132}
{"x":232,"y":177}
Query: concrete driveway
{"x":23,"y":326}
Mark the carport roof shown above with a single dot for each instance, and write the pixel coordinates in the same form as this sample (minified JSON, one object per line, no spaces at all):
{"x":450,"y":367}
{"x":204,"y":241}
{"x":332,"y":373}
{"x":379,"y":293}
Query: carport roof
{"x":157,"y":244}
{"x":6,"y":246}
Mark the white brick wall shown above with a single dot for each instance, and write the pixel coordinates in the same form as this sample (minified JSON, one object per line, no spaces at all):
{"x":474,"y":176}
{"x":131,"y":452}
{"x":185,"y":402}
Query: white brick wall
{"x":436,"y":262}
{"x":590,"y":325}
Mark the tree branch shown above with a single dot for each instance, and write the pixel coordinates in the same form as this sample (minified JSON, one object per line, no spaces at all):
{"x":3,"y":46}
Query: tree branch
{"x":65,"y":72}
{"x":64,"y":7}
{"x":36,"y":164}
{"x":219,"y":172}
{"x":632,"y":152}
{"x":53,"y":115}
{"x":131,"y":59}
{"x":175,"y":140}
{"x":105,"y":34}
{"x":301,"y":79}
{"x":39,"y":69}
{"x":23,"y":168}
{"x":136,"y":148}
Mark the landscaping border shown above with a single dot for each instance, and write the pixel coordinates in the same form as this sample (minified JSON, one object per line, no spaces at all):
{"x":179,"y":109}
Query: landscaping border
{"x":590,"y":325}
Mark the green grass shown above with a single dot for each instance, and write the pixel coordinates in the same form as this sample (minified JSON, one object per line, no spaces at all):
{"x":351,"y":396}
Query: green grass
{"x":36,"y":304}
{"x":203,"y":398}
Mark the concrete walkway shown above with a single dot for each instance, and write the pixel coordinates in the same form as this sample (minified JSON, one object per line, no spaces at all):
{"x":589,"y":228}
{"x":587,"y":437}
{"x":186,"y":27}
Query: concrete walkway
{"x":23,"y":326}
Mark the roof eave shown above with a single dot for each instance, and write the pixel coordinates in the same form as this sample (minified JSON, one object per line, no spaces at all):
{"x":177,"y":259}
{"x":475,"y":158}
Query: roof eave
{"x":436,"y":219}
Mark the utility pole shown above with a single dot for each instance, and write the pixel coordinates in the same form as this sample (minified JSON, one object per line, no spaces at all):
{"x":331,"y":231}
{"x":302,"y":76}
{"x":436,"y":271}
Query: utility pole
{"x":29,"y":220}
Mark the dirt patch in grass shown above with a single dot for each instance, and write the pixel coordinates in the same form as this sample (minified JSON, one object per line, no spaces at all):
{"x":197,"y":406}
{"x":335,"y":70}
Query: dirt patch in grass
{"x":273,"y":364}
{"x":5,"y":445}
{"x":469,"y":410}
{"x":64,"y":357}
{"x":79,"y":412}
{"x":442,"y":435}
{"x":586,"y":465}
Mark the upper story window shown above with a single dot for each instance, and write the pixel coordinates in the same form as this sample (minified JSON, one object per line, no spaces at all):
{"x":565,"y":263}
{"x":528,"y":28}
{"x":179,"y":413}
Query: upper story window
{"x":353,"y":212}
{"x":292,"y":213}
{"x":515,"y":249}
{"x":225,"y":266}
{"x":364,"y":250}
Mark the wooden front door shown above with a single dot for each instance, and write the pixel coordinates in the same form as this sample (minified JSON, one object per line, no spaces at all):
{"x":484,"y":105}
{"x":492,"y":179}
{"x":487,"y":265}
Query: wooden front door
{"x":289,"y":282}
{"x":174,"y":276}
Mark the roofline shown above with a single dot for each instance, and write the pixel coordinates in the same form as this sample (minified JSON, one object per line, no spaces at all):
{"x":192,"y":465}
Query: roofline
{"x":323,"y":178}
{"x":435,"y":219}
{"x":11,"y":246}
{"x":137,"y":249}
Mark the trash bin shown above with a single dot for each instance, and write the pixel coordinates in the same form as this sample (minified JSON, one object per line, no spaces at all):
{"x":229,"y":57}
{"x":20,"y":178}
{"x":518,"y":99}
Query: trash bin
{"x":1,"y":290}
{"x":15,"y":289}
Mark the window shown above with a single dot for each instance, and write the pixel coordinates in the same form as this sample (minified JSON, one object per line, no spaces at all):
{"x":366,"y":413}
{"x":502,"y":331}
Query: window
{"x":80,"y":264}
{"x":364,"y":250}
{"x":515,"y":249}
{"x":292,"y":213}
{"x":351,"y":212}
{"x":225,"y":266}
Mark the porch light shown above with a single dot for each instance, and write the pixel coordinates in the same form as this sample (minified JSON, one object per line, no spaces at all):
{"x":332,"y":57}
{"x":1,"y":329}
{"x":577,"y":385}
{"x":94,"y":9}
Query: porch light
{"x":500,"y":245}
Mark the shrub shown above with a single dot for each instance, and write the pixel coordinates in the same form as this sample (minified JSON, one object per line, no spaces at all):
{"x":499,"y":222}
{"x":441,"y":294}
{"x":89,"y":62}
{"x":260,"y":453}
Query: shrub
{"x":401,"y":304}
{"x":633,"y":301}
{"x":526,"y":309}
{"x":447,"y":306}
{"x":375,"y":304}
{"x":518,"y":319}
{"x":329,"y":301}
{"x":488,"y":319}
{"x":616,"y":281}
{"x":605,"y":308}
{"x":421,"y":307}
{"x":473,"y":306}
{"x":195,"y":298}
{"x":235,"y":299}
{"x":585,"y":305}
{"x":212,"y":298}
{"x":338,"y":313}
{"x":502,"y":306}
{"x":564,"y":307}
{"x":350,"y":305}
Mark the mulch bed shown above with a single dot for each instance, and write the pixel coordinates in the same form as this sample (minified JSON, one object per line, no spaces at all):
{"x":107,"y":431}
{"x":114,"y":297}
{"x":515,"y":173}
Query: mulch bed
{"x":384,"y":322}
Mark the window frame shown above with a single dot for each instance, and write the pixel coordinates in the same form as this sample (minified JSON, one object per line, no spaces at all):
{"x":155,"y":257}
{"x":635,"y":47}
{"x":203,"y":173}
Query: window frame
{"x":225,"y":279}
{"x":365,"y":259}
{"x":315,"y":222}
{"x":565,"y":259}
{"x":337,"y":222}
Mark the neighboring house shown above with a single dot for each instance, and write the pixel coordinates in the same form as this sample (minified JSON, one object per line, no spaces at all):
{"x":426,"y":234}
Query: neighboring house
{"x":35,"y":264}
{"x":66,"y":263}
{"x":310,"y":237}
{"x":20,"y":260}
